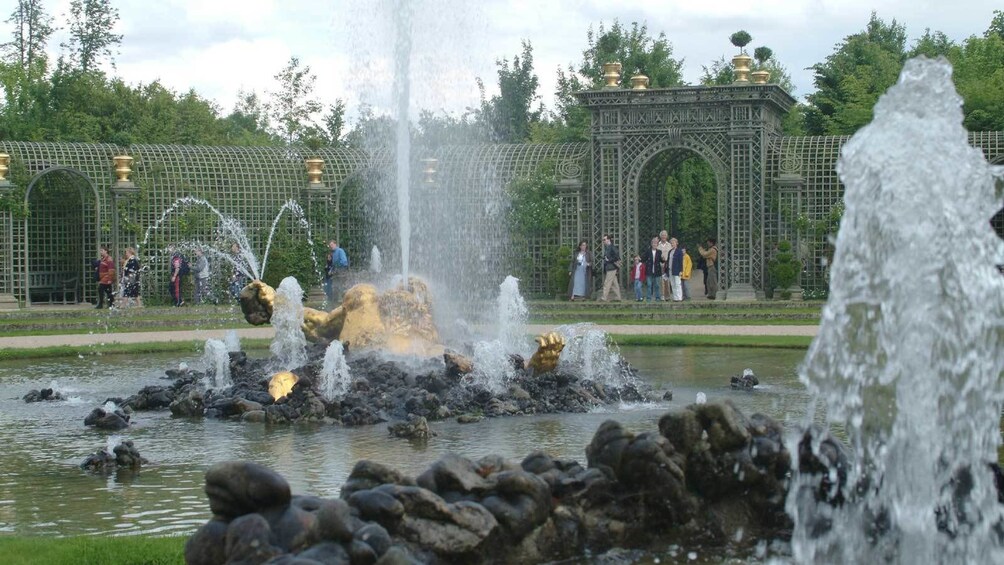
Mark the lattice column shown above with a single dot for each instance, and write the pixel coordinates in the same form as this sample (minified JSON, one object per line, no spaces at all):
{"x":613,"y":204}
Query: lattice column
{"x":789,"y":199}
{"x":7,"y":299}
{"x":737,"y":249}
{"x":609,"y":210}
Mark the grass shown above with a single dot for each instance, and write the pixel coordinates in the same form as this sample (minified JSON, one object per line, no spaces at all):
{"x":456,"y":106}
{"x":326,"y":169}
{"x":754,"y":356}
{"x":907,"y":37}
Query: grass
{"x":12,"y":354}
{"x":86,"y":550}
{"x":768,"y":341}
{"x":682,"y":321}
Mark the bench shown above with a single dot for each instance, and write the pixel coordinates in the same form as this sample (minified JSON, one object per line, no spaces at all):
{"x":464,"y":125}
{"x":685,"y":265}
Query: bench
{"x":53,"y":284}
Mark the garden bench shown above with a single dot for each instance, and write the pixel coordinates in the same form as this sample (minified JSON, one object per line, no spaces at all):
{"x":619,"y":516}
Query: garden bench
{"x":61,"y":284}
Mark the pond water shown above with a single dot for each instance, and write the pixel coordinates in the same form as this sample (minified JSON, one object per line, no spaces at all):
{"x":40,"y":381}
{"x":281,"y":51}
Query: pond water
{"x":43,"y":491}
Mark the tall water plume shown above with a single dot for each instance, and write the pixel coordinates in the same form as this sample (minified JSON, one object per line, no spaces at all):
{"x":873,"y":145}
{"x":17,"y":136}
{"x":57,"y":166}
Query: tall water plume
{"x":402,"y":100}
{"x":216,"y":360}
{"x":908,"y":357}
{"x":289,"y":346}
{"x":590,"y":354}
{"x":335,"y":374}
{"x":512,"y":317}
{"x":376,"y":265}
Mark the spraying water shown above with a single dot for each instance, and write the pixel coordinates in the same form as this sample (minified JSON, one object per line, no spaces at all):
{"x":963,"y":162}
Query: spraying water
{"x":232,"y":340}
{"x":289,"y":346}
{"x":908,"y":357}
{"x":216,"y":359}
{"x":590,"y":354}
{"x":375,"y":265}
{"x":402,"y":99}
{"x":335,"y":376}
{"x":492,"y":368}
{"x":512,"y":317}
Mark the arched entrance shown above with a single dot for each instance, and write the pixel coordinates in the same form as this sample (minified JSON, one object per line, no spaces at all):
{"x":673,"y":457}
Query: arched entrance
{"x":58,"y":238}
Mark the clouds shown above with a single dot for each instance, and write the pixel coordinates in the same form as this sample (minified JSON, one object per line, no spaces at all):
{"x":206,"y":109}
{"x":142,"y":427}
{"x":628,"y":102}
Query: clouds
{"x":220,"y":46}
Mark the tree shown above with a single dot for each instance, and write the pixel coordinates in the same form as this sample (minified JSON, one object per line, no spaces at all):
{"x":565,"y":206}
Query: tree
{"x":509,"y":115}
{"x":91,"y":37}
{"x":292,"y":106}
{"x":32,"y":28}
{"x":852,"y":78}
{"x":334,"y":123}
{"x":634,"y":48}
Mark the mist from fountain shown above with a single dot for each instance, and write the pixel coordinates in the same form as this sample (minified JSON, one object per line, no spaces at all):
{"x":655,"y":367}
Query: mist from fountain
{"x":232,"y":340}
{"x":511,"y":318}
{"x":402,"y":12}
{"x":335,"y":375}
{"x":289,"y":346}
{"x":591,"y":354}
{"x":908,"y":356}
{"x":216,"y":360}
{"x":376,"y":266}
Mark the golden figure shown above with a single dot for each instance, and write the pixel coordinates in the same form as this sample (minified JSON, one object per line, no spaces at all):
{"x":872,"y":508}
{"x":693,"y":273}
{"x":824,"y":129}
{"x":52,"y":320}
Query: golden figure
{"x":399,"y":321}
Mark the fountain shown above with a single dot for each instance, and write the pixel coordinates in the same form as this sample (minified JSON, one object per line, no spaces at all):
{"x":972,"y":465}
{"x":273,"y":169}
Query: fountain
{"x":335,"y":374}
{"x":376,"y":266}
{"x":216,"y":359}
{"x":908,"y":358}
{"x":289,"y":345}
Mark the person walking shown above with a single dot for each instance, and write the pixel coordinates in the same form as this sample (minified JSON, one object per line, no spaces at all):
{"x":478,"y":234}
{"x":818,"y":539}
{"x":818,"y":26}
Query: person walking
{"x":665,"y":247}
{"x":653,"y":271}
{"x":106,"y":278}
{"x":637,"y":277}
{"x":580,"y":273}
{"x":201,"y":269}
{"x":711,"y":259}
{"x":130,"y":279}
{"x":338,"y":261}
{"x":688,"y":268}
{"x":611,"y":269}
{"x":675,"y":268}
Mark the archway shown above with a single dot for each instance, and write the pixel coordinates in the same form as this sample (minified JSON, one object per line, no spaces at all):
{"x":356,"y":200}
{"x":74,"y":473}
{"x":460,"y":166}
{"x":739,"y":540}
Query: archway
{"x":59,"y":238}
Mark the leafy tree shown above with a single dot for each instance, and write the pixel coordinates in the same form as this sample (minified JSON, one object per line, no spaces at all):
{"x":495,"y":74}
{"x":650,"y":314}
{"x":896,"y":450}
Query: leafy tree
{"x":334,"y":123}
{"x":740,"y":39}
{"x":784,"y":269}
{"x":247,"y":124}
{"x":91,"y":37}
{"x":979,"y":77}
{"x":852,"y":78}
{"x":692,"y":201}
{"x":634,"y":48}
{"x":509,"y":115}
{"x":32,"y":29}
{"x":293,"y":107}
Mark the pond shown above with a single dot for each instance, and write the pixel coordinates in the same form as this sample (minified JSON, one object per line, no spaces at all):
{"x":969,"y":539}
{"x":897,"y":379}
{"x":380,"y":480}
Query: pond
{"x":44,"y":492}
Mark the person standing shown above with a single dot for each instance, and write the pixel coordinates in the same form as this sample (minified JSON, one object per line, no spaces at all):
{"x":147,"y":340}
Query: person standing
{"x":130,"y":278}
{"x":237,"y":278}
{"x":338,"y":261}
{"x":653,"y":271}
{"x":611,"y":269}
{"x":711,"y":259}
{"x":688,"y":268}
{"x":106,"y":277}
{"x":665,"y":247}
{"x":175,"y":266}
{"x":580,"y":273}
{"x":637,"y":277}
{"x":201,"y":270}
{"x":675,"y":269}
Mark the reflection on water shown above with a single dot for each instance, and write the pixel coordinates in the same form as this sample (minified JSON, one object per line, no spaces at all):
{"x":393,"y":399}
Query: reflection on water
{"x":42,"y":491}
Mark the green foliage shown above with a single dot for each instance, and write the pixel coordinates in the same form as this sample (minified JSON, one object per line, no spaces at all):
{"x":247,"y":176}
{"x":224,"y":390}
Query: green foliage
{"x":534,"y":204}
{"x":132,"y":550}
{"x":13,"y":200}
{"x":720,"y":73}
{"x":762,"y":55}
{"x":32,"y":29}
{"x":91,"y":38}
{"x":740,"y":39}
{"x":509,"y":115}
{"x":557,"y":270}
{"x":290,"y":256}
{"x":784,"y":268}
{"x":293,"y":106}
{"x":692,"y":201}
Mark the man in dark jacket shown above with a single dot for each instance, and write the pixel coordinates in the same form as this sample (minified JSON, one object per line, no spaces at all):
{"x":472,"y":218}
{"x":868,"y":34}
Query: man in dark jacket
{"x":611,"y":269}
{"x":653,"y":270}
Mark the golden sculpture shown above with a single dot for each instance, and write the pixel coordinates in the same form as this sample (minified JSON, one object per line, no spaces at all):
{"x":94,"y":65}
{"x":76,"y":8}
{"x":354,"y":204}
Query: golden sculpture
{"x":398,"y":321}
{"x":281,"y":384}
{"x":315,"y":168}
{"x":123,"y":168}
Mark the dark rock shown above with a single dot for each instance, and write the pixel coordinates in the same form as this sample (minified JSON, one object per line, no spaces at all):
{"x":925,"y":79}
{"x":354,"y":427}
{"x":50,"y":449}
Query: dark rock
{"x":378,"y":506}
{"x":447,"y":529}
{"x":294,"y":528}
{"x":469,"y":418}
{"x":329,"y":553}
{"x":46,"y":394}
{"x":236,"y":488}
{"x":189,"y":403}
{"x":397,"y":556}
{"x":416,"y":427}
{"x":726,"y":426}
{"x":456,"y":365}
{"x":361,"y":553}
{"x":207,"y":545}
{"x":101,"y":419}
{"x":454,"y":473}
{"x":606,"y":449}
{"x":367,"y":474}
{"x":247,"y":540}
{"x":745,"y":381}
{"x":334,"y":521}
{"x":375,"y":536}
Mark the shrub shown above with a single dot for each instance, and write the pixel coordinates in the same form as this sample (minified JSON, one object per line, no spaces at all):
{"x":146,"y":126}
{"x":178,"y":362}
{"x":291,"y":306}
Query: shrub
{"x":783,"y":269}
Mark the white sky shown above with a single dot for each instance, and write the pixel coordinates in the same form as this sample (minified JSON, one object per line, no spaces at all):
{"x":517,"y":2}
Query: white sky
{"x":220,"y":46}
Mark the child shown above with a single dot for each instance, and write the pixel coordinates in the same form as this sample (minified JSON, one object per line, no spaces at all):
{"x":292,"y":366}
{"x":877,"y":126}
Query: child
{"x":637,"y":276}
{"x":688,"y":268}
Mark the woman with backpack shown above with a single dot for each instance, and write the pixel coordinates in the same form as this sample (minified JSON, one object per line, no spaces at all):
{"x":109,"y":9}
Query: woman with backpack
{"x":178,"y":267}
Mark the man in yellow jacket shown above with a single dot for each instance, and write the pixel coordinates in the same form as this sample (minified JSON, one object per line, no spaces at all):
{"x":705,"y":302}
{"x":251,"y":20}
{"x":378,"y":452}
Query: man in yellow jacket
{"x":688,"y":266}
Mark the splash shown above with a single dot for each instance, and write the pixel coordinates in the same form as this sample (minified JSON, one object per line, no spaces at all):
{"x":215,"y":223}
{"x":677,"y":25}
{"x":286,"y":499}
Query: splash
{"x":216,"y":359}
{"x":289,"y":346}
{"x":232,"y":340}
{"x":591,"y":355}
{"x":335,"y":376}
{"x":908,"y":357}
{"x":376,"y":266}
{"x":511,"y":318}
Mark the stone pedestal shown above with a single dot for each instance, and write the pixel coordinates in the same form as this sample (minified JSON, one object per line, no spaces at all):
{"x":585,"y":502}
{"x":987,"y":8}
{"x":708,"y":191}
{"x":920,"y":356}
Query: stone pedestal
{"x":741,"y":292}
{"x":8,"y":302}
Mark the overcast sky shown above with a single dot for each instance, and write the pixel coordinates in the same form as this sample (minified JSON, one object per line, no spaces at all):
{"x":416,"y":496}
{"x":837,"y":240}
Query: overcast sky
{"x":220,"y":46}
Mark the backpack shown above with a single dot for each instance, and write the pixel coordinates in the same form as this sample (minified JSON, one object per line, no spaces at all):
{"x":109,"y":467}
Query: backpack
{"x":184,"y":269}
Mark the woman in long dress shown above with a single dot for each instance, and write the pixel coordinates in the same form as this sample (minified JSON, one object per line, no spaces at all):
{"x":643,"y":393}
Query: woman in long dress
{"x":581,"y":273}
{"x":130,"y":278}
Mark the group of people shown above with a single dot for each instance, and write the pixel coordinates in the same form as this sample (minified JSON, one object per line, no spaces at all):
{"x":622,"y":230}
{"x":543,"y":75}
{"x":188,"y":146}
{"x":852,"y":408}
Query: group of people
{"x":178,"y":268}
{"x":659,"y":273}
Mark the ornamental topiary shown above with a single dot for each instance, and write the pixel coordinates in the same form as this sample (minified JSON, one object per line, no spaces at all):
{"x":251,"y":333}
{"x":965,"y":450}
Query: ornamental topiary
{"x":740,"y":39}
{"x":783,"y":269}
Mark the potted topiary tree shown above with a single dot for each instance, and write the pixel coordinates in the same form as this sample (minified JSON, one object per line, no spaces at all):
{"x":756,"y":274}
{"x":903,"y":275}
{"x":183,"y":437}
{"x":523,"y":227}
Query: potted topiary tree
{"x":761,"y":75}
{"x":741,"y":62}
{"x":783,"y":270}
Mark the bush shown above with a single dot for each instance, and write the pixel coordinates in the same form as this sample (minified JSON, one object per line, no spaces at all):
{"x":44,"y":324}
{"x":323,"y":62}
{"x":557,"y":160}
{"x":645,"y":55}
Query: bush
{"x":783,"y":269}
{"x":557,"y":273}
{"x":290,"y":256}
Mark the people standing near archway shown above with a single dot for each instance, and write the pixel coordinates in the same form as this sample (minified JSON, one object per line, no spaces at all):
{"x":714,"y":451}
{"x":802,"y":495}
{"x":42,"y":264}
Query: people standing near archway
{"x":338,"y":261}
{"x":688,"y":268}
{"x":201,"y":270}
{"x":130,"y":279}
{"x":711,"y":259}
{"x":106,"y":278}
{"x":674,"y":269}
{"x":580,"y":272}
{"x":664,"y":247}
{"x":178,"y":267}
{"x":611,"y":269}
{"x":653,"y":271}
